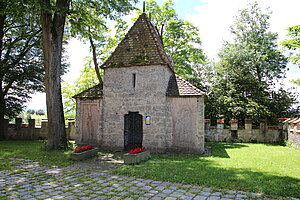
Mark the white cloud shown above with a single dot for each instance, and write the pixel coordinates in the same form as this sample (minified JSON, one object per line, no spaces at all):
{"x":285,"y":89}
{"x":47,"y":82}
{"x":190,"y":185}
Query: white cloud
{"x":215,"y":16}
{"x":77,"y":51}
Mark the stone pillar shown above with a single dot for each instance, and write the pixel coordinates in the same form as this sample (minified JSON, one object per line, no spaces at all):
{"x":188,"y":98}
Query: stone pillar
{"x":18,"y":129}
{"x":282,"y":128}
{"x":248,"y":124}
{"x":234,"y":130}
{"x":220,"y":124}
{"x":207,"y":133}
{"x":207,"y":123}
{"x":234,"y":124}
{"x":44,"y":129}
{"x":18,"y":122}
{"x":263,"y":126}
{"x":5,"y":128}
{"x":71,"y":129}
{"x":31,"y":127}
{"x":220,"y":128}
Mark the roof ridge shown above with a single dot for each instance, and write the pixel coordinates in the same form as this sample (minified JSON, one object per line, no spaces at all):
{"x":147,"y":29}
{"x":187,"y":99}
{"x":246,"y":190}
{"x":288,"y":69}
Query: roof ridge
{"x":142,"y":44}
{"x":151,"y":26}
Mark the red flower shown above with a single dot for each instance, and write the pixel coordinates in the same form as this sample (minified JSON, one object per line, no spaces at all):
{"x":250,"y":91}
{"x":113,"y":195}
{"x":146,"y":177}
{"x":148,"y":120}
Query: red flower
{"x":137,"y":150}
{"x":83,"y":148}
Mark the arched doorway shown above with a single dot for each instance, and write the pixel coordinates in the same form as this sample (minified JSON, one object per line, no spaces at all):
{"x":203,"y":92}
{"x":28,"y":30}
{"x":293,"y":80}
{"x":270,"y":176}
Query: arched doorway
{"x":133,"y":131}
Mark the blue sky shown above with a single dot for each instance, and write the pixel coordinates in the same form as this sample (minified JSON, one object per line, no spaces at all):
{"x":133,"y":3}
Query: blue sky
{"x":213,"y":18}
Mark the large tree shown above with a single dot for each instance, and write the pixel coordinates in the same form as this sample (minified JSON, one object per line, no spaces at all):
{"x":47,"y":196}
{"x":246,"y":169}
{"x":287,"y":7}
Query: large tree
{"x":21,"y":71}
{"x":53,"y":19}
{"x":244,"y":83}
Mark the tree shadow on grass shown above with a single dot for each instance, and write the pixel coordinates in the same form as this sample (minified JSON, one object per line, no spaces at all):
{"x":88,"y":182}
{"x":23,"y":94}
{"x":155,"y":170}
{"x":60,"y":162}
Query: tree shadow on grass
{"x":219,"y":149}
{"x":194,"y":169}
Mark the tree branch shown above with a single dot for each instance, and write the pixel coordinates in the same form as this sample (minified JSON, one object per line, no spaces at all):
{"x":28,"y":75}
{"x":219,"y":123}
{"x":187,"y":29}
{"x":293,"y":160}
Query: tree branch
{"x":95,"y":59}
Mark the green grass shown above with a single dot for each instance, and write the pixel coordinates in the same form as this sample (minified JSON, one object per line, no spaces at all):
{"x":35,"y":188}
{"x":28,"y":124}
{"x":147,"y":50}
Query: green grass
{"x":32,"y":150}
{"x":265,"y":168}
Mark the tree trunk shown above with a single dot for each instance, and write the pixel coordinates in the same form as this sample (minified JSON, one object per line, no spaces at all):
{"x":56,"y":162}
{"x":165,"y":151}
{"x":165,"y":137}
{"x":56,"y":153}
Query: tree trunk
{"x":2,"y":102}
{"x":2,"y":108}
{"x":95,"y":60}
{"x":52,"y":36}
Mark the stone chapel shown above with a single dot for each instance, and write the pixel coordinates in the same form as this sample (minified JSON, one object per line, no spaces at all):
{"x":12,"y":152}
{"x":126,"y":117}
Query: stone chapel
{"x":142,"y":102}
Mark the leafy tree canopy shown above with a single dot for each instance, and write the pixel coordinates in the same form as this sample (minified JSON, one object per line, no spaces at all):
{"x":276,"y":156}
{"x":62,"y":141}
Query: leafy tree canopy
{"x":180,"y":38}
{"x":87,"y":79}
{"x":21,"y":70}
{"x":293,"y":43}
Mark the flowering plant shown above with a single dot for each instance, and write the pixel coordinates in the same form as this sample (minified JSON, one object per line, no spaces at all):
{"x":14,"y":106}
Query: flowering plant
{"x":137,"y":150}
{"x":83,"y":148}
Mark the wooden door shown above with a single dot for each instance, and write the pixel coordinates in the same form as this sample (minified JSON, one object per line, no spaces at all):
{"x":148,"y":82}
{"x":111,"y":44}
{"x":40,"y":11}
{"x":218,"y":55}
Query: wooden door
{"x":133,"y":131}
{"x":89,"y":122}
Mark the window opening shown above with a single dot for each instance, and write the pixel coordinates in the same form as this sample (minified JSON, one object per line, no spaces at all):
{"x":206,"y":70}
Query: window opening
{"x":134,"y":80}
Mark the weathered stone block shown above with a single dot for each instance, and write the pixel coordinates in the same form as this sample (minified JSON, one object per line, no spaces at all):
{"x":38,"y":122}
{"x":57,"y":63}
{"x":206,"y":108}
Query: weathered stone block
{"x":84,"y":155}
{"x":136,"y":158}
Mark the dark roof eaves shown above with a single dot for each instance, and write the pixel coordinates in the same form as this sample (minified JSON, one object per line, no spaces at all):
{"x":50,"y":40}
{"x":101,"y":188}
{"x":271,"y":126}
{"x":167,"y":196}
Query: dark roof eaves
{"x":84,"y":91}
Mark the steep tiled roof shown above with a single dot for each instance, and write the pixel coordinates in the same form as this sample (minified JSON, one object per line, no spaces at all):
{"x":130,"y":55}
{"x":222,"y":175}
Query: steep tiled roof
{"x":179,"y":87}
{"x":93,"y":92}
{"x":142,"y":45}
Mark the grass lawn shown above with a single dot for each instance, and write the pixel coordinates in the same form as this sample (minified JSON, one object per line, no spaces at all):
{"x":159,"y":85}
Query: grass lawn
{"x":31,"y":150}
{"x":265,"y":168}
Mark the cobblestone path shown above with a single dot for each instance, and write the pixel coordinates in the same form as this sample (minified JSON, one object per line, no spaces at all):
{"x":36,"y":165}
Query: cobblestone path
{"x":28,"y":180}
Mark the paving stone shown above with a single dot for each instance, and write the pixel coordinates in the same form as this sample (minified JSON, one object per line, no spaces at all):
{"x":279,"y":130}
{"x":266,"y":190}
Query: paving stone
{"x":216,"y":193}
{"x":207,"y":189}
{"x":205,"y":193}
{"x":184,"y":197}
{"x":154,"y":191}
{"x":256,"y":194}
{"x":200,"y":197}
{"x":167,"y":191}
{"x":176,"y":194}
{"x":229,"y":195}
{"x":30,"y":181}
{"x":122,"y":193}
{"x":146,"y":188}
{"x":170,"y":198}
{"x":213,"y":198}
{"x":101,"y":197}
{"x":160,"y":188}
{"x":241,"y":195}
{"x":156,"y":198}
{"x":193,"y":190}
{"x":149,"y":195}
{"x":231,"y":191}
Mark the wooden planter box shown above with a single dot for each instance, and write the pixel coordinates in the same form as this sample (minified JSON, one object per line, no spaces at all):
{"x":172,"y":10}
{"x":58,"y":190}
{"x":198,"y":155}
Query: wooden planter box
{"x":84,"y":155}
{"x":136,"y":158}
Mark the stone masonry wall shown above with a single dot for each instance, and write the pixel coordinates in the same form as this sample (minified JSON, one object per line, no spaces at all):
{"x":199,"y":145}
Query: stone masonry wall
{"x":19,"y":131}
{"x":188,"y":128}
{"x":292,"y":128}
{"x":146,"y":96}
{"x":234,"y":133}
